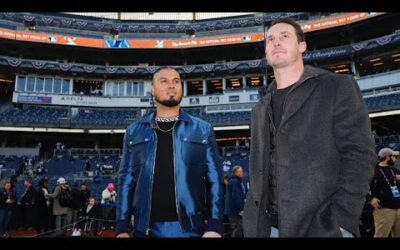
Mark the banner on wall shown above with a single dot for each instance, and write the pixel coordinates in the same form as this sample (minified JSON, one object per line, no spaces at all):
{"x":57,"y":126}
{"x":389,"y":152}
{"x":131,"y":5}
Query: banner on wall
{"x":325,"y":23}
{"x":34,"y":99}
{"x":31,"y":36}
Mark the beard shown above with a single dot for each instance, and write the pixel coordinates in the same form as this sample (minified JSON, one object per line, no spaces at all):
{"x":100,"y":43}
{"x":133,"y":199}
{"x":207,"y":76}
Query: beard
{"x":391,"y":162}
{"x":169,"y":102}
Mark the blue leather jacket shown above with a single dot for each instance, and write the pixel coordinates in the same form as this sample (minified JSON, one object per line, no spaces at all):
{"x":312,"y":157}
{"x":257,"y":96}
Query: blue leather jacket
{"x":198,"y":175}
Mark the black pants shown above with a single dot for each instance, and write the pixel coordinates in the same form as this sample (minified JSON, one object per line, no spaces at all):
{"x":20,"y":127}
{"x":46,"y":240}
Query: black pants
{"x":27,"y":216}
{"x":236,"y":226}
{"x":42,"y":219}
{"x":109,"y":216}
{"x":89,"y":225}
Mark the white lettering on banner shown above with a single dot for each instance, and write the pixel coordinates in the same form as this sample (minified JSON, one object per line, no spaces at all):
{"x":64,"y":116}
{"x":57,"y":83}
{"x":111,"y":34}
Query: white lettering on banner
{"x":234,"y":39}
{"x":5,"y":33}
{"x":356,"y":16}
{"x":188,"y":43}
{"x":327,"y":23}
{"x":212,"y":41}
{"x":320,"y":54}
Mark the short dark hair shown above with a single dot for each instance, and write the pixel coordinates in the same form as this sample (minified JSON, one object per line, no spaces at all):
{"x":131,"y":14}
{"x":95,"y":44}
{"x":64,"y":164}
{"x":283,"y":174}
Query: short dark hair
{"x":42,"y":182}
{"x":294,"y":24}
{"x":162,"y":68}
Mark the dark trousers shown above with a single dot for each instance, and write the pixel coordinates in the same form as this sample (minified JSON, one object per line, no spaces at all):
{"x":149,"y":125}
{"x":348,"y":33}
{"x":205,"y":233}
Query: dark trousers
{"x":42,"y":219}
{"x":27,"y":216}
{"x":5,"y":217}
{"x":236,"y":226}
{"x":89,"y":225}
{"x":108,"y":214}
{"x":168,"y":229}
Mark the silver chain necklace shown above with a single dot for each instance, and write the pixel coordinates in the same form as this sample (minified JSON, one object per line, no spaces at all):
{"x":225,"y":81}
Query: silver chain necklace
{"x":168,"y":130}
{"x":167,"y":119}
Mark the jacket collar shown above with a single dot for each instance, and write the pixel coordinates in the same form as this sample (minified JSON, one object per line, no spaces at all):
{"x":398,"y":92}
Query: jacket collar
{"x":301,"y":95}
{"x":150,"y":118}
{"x":309,"y":72}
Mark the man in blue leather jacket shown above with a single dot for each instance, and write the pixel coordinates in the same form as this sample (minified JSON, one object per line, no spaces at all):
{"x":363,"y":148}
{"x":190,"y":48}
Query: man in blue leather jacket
{"x":170,"y":178}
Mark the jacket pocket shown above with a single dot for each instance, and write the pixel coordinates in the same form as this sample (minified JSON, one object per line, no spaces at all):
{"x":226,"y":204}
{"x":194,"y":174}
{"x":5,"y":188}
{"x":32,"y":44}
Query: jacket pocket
{"x":139,"y":148}
{"x":194,"y":150}
{"x":324,"y":223}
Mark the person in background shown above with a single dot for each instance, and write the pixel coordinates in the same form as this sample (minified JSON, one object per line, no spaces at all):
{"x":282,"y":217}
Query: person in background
{"x":8,"y":201}
{"x":42,"y":207}
{"x":26,"y":201}
{"x":385,"y":196}
{"x":235,"y":199}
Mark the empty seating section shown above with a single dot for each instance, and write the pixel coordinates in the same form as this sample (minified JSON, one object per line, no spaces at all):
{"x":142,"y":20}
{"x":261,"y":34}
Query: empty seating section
{"x":120,"y":118}
{"x":104,"y":118}
{"x":228,"y":118}
{"x":50,"y":117}
{"x":33,"y":116}
{"x":384,"y":102}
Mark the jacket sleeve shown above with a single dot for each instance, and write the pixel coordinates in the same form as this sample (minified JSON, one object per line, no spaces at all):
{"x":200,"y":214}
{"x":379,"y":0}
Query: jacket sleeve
{"x":355,"y":144}
{"x":374,"y":188}
{"x":3,"y":198}
{"x":125,"y":186}
{"x":57,"y":191}
{"x":214,"y":174}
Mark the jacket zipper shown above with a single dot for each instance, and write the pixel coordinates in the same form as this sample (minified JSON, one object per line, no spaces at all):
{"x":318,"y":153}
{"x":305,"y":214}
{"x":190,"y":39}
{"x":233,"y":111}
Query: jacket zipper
{"x":151,"y":186}
{"x":176,"y":195}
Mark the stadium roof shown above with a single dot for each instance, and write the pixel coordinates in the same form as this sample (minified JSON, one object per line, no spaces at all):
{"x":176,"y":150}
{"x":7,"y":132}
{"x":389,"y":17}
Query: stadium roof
{"x":161,"y":15}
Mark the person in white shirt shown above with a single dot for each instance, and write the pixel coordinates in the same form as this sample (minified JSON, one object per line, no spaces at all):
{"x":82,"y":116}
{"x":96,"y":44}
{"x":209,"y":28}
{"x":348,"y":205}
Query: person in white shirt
{"x":108,"y":195}
{"x":108,"y":198}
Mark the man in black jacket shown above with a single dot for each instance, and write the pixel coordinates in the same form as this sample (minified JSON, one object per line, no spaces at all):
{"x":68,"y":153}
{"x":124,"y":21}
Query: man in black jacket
{"x":84,"y":197}
{"x":42,"y":207}
{"x":234,"y":201}
{"x":312,"y":152}
{"x":8,"y":200}
{"x":26,"y":202}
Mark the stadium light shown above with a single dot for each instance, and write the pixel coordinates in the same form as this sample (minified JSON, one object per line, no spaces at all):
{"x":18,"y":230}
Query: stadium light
{"x":385,"y":113}
{"x":28,"y":129}
{"x":241,"y":127}
{"x":106,"y":131}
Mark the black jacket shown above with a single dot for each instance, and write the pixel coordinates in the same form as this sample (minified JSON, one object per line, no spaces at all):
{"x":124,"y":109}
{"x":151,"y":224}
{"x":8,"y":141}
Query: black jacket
{"x":4,"y":196}
{"x":40,"y":199}
{"x":83,"y":197}
{"x":28,"y":197}
{"x":94,"y":212}
{"x":324,"y":158}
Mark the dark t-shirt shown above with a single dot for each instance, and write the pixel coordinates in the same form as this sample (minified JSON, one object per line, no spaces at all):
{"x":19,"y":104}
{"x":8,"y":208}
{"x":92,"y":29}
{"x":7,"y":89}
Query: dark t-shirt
{"x":163,"y":202}
{"x":278,"y":99}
